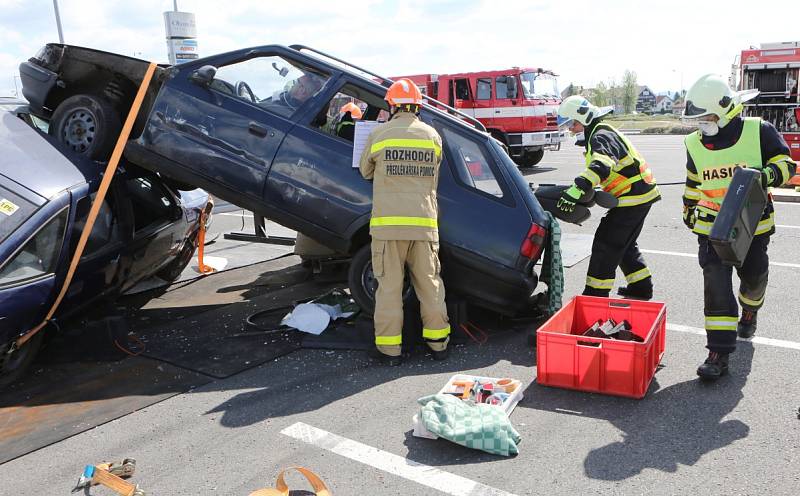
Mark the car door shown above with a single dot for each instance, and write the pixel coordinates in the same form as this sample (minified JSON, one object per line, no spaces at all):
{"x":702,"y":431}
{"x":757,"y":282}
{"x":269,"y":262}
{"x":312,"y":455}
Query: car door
{"x":153,"y":211}
{"x":484,"y":103}
{"x":31,"y":267}
{"x":507,"y":102}
{"x":223,"y":130}
{"x":101,"y":264}
{"x":460,"y":96}
{"x":312,"y":178}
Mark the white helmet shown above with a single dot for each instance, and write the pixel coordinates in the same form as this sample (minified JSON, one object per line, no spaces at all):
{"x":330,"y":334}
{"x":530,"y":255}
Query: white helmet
{"x":579,"y":109}
{"x":711,"y":95}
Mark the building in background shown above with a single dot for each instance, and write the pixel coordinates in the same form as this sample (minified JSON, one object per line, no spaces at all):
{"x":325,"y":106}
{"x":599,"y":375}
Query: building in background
{"x":645,"y":100}
{"x":663,"y":104}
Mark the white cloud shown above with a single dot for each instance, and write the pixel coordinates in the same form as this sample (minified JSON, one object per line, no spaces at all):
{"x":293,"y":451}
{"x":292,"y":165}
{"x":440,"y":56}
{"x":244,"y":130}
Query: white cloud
{"x":584,"y":41}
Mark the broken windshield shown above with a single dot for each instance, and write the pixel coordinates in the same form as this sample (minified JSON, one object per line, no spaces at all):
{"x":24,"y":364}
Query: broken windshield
{"x":539,"y":85}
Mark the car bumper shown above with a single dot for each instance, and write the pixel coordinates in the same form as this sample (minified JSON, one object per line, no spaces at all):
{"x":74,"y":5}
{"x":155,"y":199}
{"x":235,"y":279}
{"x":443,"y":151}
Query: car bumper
{"x":488,"y":284}
{"x":543,"y":138}
{"x":37,"y":82}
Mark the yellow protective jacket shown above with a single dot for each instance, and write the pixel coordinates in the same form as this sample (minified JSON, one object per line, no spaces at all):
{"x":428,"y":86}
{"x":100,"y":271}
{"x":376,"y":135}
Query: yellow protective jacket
{"x":402,"y":158}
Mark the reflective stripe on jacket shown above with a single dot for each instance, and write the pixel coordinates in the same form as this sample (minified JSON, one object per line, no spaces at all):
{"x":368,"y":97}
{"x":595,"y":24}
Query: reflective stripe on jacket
{"x":629,"y":178}
{"x":714,"y":172}
{"x":402,"y":158}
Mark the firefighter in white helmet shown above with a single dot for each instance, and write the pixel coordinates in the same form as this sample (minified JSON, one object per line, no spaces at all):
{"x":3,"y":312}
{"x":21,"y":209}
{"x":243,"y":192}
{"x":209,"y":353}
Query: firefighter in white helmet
{"x":725,"y":141}
{"x":402,"y":158}
{"x":614,"y":164}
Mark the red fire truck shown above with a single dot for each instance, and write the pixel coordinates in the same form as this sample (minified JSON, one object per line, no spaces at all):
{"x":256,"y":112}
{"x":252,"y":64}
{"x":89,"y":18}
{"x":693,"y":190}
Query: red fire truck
{"x":773,"y":69}
{"x":518,"y":106}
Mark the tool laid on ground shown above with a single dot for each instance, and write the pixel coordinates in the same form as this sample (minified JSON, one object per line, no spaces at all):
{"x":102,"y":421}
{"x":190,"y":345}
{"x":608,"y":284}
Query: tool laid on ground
{"x":112,"y":476}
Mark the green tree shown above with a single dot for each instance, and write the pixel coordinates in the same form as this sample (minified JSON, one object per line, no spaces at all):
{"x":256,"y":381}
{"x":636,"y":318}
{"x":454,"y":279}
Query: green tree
{"x":629,"y":91}
{"x":676,"y":97}
{"x":601,"y":96}
{"x":570,"y":89}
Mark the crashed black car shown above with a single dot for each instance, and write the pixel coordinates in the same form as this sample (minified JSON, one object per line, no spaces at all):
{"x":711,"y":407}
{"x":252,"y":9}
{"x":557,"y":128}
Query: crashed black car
{"x":256,"y":127}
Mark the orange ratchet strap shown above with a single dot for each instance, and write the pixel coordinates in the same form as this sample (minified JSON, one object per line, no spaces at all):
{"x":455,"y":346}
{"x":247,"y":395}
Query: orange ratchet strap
{"x":105,"y":182}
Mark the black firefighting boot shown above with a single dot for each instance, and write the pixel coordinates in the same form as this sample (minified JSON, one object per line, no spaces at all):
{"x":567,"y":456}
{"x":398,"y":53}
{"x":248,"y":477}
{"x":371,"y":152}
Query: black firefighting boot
{"x":637,"y":291}
{"x":441,"y":355}
{"x":715,"y":366}
{"x":747,"y":324}
{"x":384,"y":359}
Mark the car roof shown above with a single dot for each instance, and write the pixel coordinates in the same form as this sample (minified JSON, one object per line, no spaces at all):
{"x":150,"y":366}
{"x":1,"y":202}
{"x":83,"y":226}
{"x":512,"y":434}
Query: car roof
{"x":33,"y":160}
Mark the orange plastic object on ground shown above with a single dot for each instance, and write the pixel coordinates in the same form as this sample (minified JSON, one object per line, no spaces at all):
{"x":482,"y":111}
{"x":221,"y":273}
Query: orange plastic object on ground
{"x":566,"y":359}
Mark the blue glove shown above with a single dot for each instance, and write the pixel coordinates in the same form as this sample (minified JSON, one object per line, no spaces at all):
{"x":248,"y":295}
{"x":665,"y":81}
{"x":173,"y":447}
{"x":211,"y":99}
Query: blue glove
{"x":569,"y":198}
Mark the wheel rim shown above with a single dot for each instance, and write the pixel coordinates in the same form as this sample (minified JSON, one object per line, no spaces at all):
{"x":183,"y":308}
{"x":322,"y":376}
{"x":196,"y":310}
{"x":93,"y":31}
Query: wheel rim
{"x":79,"y":129}
{"x":369,"y":284}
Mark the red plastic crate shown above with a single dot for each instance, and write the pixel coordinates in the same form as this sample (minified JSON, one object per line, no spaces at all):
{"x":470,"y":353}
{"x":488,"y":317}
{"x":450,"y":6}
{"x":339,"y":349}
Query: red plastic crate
{"x":566,"y":359}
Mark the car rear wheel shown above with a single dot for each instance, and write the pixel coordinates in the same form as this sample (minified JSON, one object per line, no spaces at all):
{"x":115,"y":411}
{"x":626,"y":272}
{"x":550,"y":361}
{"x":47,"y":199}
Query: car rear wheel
{"x":88,"y":125}
{"x":530,"y":158}
{"x":363,"y":284}
{"x":14,"y":365}
{"x":172,"y":271}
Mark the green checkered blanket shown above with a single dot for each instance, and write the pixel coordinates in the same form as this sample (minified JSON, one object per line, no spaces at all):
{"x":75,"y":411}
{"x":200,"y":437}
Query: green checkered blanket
{"x":477,"y":426}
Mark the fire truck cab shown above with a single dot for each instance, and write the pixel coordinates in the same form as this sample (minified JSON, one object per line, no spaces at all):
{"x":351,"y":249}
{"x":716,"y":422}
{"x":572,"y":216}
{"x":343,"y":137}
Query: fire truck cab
{"x":518,"y":106}
{"x":773,"y":69}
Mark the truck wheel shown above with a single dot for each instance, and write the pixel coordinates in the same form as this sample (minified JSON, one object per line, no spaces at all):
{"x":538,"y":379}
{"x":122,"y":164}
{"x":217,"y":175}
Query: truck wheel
{"x":14,"y":365}
{"x":530,"y":158}
{"x":88,"y":125}
{"x":363,"y":284}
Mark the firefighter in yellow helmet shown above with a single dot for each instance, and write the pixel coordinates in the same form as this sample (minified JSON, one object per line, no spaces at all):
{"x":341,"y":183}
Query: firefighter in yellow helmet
{"x":402,"y":158}
{"x":723,"y":142}
{"x":614,"y":164}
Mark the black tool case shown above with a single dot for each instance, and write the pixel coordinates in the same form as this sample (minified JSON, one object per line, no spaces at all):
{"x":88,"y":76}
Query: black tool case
{"x":737,"y":220}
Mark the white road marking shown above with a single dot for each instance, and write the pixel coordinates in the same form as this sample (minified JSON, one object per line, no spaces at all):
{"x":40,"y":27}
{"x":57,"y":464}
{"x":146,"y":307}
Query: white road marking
{"x":234,"y":214}
{"x":783,"y":226}
{"x":694,"y":255}
{"x":417,"y":472}
{"x":780,"y":343}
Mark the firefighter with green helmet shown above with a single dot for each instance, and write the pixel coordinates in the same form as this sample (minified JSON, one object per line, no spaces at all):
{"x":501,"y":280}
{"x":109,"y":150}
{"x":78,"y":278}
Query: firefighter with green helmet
{"x":613,"y":164}
{"x":724,"y":141}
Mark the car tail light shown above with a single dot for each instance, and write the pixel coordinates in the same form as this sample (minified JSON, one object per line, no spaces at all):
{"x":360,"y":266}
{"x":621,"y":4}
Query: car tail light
{"x":533,"y":244}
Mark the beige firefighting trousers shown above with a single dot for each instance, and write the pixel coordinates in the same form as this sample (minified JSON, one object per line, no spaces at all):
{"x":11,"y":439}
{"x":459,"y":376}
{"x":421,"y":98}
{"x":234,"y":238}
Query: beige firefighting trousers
{"x":389,"y":259}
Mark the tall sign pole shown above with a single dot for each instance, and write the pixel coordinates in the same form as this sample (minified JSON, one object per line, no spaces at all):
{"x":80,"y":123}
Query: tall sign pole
{"x":181,"y":35}
{"x":58,"y":22}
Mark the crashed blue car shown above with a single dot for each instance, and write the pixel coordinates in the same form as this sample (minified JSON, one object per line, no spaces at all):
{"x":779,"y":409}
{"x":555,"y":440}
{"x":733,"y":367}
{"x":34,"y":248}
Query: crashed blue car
{"x":143,"y":229}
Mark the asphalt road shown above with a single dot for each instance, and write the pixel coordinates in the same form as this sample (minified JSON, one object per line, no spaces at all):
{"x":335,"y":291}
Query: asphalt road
{"x":350,"y":421}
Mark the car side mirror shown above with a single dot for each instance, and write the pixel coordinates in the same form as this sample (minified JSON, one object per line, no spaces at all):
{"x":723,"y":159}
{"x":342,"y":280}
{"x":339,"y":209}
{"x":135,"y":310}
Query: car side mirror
{"x":204,"y":75}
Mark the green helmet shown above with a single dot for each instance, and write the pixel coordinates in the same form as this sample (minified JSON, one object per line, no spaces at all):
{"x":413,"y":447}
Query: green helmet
{"x":711,"y":95}
{"x":579,"y":109}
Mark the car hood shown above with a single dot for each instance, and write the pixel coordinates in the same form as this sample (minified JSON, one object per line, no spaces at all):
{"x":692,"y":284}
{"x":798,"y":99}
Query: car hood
{"x":32,"y":161}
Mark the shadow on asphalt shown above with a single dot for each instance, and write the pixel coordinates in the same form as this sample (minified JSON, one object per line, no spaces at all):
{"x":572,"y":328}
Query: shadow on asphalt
{"x":669,"y":427}
{"x":314,"y":379}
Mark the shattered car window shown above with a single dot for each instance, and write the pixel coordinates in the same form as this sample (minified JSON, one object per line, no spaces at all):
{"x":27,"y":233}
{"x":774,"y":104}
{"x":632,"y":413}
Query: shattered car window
{"x":272,"y":82}
{"x":39,"y":255}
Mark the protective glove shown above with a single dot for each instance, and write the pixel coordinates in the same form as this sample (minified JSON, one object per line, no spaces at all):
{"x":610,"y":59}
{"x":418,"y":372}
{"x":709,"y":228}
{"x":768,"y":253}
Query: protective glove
{"x":689,"y":216}
{"x":569,"y":198}
{"x":767,"y":177}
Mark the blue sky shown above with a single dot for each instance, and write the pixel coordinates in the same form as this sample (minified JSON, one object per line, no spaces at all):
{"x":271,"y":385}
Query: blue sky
{"x":584,"y":41}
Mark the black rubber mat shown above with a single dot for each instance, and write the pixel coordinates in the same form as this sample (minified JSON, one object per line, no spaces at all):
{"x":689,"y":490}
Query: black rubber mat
{"x":56,"y":401}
